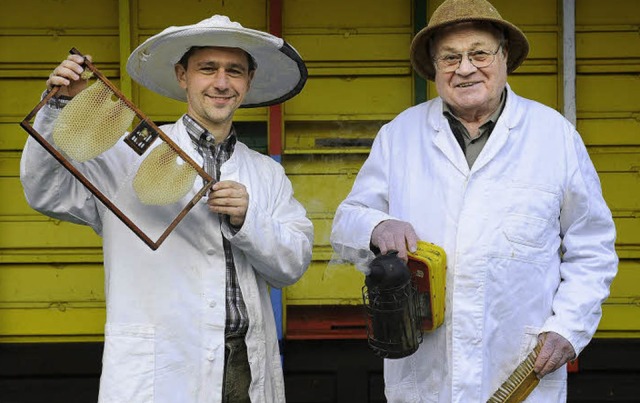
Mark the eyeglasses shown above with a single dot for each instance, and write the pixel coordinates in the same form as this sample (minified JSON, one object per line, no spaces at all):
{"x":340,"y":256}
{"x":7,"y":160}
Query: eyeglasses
{"x":479,"y":58}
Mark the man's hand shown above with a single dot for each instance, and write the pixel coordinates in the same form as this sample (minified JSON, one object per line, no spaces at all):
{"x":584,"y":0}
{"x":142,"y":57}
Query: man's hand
{"x":67,"y":76}
{"x":230,"y":198}
{"x":556,"y":351}
{"x":395,"y":235}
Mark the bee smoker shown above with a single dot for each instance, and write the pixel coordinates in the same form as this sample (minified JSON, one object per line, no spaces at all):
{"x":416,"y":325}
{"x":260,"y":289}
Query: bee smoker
{"x":392,"y":308}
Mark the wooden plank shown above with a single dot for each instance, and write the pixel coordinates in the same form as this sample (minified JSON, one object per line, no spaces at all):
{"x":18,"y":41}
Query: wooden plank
{"x":598,"y":45}
{"x":325,"y":135}
{"x":321,"y":193}
{"x":615,"y":188}
{"x":32,"y":283}
{"x":620,"y":318}
{"x":59,"y":319}
{"x":14,"y":202}
{"x":610,"y":131}
{"x":626,"y":285}
{"x":12,"y":136}
{"x":36,"y":14}
{"x":345,"y":98}
{"x":48,"y":233}
{"x":535,"y":12}
{"x":15,"y":109}
{"x":352,"y":47}
{"x":614,"y":12}
{"x":156,"y":15}
{"x":327,"y":283}
{"x":53,"y":49}
{"x":340,"y":14}
{"x":611,"y":93}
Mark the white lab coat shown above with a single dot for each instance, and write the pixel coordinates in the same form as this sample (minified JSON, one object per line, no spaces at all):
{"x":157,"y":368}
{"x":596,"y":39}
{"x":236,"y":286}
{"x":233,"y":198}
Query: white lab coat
{"x":164,"y":336}
{"x":528,"y":236}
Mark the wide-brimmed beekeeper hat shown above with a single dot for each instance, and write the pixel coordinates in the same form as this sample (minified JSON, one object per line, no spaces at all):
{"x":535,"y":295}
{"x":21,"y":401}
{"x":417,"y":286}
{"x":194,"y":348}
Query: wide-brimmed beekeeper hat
{"x":457,"y":11}
{"x":279,"y":76}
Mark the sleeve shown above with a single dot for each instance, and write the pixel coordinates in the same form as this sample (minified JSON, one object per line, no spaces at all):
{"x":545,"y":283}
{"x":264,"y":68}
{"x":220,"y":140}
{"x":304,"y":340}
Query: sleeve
{"x":589,"y":261}
{"x":365,"y":207}
{"x":52,"y":190}
{"x":278,"y":240}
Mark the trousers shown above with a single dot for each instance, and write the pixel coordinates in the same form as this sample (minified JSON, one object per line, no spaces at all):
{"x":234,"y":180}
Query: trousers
{"x":237,"y":374}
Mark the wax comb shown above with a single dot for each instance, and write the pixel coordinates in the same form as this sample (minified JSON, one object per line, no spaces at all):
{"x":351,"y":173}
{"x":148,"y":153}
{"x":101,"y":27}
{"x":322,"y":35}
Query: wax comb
{"x":521,"y":381}
{"x":93,"y":122}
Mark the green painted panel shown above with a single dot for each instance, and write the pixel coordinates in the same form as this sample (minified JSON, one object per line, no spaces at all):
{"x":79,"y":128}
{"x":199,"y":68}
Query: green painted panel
{"x":598,"y":45}
{"x":608,"y":93}
{"x":60,"y":319}
{"x":531,"y":12}
{"x":59,"y":15}
{"x":329,"y":47}
{"x":13,"y":200}
{"x":41,"y":283}
{"x":340,"y":14}
{"x":621,"y":190}
{"x":47,"y":233}
{"x":326,"y":283}
{"x":330,"y":135}
{"x":156,"y":15}
{"x":615,"y":159}
{"x":620,"y":317}
{"x":12,"y":136}
{"x":610,"y":131}
{"x":613,"y":12}
{"x":542,"y":88}
{"x":15,"y":109}
{"x":628,"y":230}
{"x":348,"y":97}
{"x":321,"y":194}
{"x":341,"y":164}
{"x":626,"y":285}
{"x":53,"y":50}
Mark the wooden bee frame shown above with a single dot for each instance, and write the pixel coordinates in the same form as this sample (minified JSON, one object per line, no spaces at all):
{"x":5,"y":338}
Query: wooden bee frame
{"x":140,"y":139}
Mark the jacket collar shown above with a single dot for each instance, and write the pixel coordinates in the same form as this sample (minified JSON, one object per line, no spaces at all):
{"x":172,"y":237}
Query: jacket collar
{"x":445,"y":141}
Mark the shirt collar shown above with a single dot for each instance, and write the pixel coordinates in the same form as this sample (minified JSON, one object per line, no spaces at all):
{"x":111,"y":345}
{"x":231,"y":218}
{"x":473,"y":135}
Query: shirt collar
{"x":201,"y":137}
{"x":447,"y":112}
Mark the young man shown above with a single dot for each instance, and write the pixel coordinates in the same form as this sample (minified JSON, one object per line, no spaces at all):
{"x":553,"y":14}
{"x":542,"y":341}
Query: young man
{"x":191,"y":321}
{"x":506,"y":187}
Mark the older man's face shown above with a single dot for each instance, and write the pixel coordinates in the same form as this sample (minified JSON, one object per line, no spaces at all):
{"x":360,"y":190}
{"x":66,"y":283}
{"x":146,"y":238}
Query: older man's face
{"x":473,"y":93}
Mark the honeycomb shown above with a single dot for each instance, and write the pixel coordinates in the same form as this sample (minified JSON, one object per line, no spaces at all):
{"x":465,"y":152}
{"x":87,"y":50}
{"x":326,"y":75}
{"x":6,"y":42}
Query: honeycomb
{"x":91,"y":123}
{"x":163,"y":177}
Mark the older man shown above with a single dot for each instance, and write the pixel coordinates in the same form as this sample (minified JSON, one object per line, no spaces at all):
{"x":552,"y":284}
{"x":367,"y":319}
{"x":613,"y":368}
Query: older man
{"x":191,"y":321}
{"x":506,"y":187}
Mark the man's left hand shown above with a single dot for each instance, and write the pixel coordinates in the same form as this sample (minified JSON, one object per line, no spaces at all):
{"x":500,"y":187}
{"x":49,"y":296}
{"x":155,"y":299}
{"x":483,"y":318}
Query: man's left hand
{"x":230,"y":198}
{"x":556,"y":351}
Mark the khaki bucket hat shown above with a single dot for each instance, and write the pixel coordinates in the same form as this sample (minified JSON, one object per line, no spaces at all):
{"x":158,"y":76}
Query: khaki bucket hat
{"x":457,"y":11}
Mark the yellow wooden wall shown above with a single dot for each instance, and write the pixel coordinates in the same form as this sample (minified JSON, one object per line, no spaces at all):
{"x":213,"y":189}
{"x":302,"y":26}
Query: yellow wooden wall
{"x":360,"y":77}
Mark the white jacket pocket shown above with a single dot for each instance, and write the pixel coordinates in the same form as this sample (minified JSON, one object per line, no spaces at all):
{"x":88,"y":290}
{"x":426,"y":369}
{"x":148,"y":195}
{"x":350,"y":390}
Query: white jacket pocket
{"x":128,"y":364}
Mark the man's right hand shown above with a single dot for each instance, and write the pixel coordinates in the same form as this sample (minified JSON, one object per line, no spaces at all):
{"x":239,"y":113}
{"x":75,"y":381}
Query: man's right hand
{"x":395,"y":235}
{"x":67,"y":76}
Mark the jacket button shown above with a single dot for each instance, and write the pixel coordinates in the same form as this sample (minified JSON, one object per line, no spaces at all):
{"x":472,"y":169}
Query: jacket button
{"x":211,"y":252}
{"x":212,"y":304}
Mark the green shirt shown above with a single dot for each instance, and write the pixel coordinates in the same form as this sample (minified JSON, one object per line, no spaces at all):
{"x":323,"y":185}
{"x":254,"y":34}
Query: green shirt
{"x":472,"y":147}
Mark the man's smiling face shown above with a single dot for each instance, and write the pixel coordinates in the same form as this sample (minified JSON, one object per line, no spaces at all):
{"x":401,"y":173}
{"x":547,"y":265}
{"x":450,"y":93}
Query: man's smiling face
{"x":216,"y":80}
{"x":468,"y":90}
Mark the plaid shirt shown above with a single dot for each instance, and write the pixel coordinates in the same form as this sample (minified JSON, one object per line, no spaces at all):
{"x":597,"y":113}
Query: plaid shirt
{"x":214,"y":156}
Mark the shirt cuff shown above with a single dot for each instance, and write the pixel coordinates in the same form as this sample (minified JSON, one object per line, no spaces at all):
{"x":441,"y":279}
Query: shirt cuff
{"x":56,"y":102}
